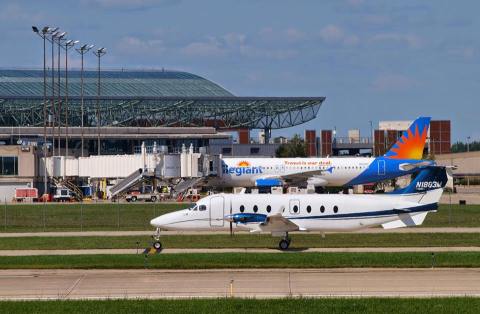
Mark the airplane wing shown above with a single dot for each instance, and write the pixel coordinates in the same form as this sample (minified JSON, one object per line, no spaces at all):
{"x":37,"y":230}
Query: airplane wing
{"x":278,"y":223}
{"x":275,"y":223}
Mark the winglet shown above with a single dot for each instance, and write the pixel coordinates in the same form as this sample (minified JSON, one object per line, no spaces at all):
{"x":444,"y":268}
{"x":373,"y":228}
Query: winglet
{"x":410,"y":145}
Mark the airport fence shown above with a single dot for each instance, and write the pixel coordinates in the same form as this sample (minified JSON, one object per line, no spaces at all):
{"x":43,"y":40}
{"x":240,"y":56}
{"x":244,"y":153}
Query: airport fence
{"x":83,"y":216}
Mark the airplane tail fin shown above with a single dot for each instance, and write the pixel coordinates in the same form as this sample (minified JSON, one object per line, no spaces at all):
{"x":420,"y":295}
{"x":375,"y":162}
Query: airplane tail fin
{"x":428,"y":183}
{"x":410,"y":145}
{"x":426,"y":190}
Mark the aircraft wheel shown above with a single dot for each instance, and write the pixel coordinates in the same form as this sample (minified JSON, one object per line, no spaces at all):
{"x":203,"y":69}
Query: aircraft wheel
{"x":283,"y":244}
{"x":153,"y":199}
{"x":157,"y":245}
{"x":134,"y":199}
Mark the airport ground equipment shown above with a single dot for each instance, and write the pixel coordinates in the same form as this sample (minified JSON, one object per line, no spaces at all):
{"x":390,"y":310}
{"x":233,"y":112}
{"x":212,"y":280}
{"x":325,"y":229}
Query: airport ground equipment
{"x":127,"y":183}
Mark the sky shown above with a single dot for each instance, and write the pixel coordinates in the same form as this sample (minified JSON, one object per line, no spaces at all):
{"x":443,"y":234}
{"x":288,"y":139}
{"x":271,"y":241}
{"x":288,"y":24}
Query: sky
{"x":372,"y":60}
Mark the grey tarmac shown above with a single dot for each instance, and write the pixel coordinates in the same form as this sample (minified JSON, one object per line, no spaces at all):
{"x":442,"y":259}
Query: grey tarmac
{"x":265,"y":283}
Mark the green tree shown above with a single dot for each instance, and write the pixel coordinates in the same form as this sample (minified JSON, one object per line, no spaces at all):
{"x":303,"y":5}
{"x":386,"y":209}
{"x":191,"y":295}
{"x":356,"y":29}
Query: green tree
{"x":460,"y":147}
{"x":294,"y":148}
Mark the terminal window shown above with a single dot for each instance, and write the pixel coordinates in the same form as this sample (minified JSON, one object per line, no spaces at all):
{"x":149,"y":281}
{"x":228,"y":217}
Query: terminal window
{"x":8,"y":165}
{"x":226,"y":150}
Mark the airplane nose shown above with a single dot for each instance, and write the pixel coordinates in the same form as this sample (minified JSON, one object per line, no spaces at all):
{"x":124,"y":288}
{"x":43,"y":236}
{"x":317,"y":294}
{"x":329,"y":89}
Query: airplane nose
{"x":156,"y":222}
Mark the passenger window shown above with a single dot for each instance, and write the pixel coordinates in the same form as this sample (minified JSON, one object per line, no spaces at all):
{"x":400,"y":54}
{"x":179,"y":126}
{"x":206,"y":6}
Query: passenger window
{"x":269,"y":208}
{"x":295,"y":209}
{"x":255,"y":208}
{"x":202,"y":207}
{"x":335,"y":209}
{"x":309,"y":209}
{"x":242,"y":208}
{"x":322,"y":209}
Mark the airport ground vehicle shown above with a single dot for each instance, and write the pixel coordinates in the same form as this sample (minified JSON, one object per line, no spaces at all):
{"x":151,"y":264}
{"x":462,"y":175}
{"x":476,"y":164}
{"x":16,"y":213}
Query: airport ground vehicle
{"x":63,"y":195}
{"x":137,"y":196}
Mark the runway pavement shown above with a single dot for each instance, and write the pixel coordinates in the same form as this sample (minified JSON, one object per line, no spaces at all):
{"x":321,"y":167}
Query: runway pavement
{"x":149,"y":233}
{"x":240,"y":250}
{"x":265,"y":283}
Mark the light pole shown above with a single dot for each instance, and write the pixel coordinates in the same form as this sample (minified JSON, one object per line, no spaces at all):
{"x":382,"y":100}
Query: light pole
{"x":468,"y":144}
{"x":99,"y":53}
{"x":82,"y":50}
{"x":54,"y":33}
{"x":43,"y":34}
{"x":60,"y":38}
{"x":68,"y":44}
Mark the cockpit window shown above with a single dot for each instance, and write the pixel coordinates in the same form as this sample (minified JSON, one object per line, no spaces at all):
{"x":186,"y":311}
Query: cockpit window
{"x":202,"y":207}
{"x":193,"y":207}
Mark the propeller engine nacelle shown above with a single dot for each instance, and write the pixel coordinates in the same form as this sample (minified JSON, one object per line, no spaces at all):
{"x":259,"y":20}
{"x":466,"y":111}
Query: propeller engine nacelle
{"x":244,"y":218}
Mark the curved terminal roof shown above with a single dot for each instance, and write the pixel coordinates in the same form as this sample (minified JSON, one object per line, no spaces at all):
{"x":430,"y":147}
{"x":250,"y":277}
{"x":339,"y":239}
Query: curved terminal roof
{"x":115,"y":83}
{"x":143,"y":99}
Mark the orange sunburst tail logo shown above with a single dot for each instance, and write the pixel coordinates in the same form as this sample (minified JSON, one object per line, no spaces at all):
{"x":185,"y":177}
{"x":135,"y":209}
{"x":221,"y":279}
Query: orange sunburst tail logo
{"x":410,"y":145}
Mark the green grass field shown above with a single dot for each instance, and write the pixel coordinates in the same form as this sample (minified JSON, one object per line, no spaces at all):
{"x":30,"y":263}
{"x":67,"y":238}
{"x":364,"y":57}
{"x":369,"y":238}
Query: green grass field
{"x":86,"y":217}
{"x":242,"y":260}
{"x":246,"y":241}
{"x":124,"y":216}
{"x":353,"y":305}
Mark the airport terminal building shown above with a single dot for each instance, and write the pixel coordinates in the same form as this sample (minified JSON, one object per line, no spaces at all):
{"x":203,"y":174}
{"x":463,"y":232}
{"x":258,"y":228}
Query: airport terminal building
{"x":130,"y":112}
{"x":170,"y":108}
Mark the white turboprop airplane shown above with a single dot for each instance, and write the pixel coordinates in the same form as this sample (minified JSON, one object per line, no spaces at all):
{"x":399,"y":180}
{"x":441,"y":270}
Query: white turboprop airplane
{"x":402,"y":159}
{"x":281,"y":214}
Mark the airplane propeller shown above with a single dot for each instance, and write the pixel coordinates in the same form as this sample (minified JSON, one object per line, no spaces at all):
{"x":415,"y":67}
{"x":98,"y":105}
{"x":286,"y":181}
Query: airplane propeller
{"x":231,"y":222}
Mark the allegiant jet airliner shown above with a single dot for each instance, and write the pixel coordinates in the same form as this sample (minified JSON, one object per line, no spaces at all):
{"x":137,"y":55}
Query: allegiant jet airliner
{"x":405,"y":157}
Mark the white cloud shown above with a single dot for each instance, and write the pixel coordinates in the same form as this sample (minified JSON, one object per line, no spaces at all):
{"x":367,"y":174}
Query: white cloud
{"x":234,"y":44}
{"x":14,"y":12}
{"x":256,"y":52}
{"x":234,"y":39}
{"x":355,"y":3}
{"x":137,"y":46}
{"x":210,"y":48}
{"x":127,"y":4}
{"x":393,"y":82}
{"x":412,"y":41}
{"x":293,"y":34}
{"x":280,"y":36}
{"x":351,"y":40}
{"x":332,"y":33}
{"x":463,"y":52}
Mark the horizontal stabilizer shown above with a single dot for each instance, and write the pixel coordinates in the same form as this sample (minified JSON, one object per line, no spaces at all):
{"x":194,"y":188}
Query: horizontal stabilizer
{"x":411,"y":166}
{"x":406,"y":220}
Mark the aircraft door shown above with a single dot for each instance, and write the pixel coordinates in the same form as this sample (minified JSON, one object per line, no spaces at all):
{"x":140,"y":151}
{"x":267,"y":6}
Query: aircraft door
{"x":217,"y":207}
{"x":279,"y":169}
{"x":294,"y":207}
{"x":381,"y":167}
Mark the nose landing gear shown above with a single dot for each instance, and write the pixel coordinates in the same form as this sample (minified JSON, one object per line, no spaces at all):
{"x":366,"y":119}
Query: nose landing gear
{"x":157,"y":245}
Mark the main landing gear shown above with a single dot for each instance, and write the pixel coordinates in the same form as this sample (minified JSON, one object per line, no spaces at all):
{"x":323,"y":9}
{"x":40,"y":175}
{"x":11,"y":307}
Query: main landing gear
{"x":157,"y":245}
{"x":284,"y":243}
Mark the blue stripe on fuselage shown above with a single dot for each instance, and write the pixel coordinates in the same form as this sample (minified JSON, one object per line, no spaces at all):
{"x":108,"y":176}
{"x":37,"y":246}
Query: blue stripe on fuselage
{"x":380,"y":213}
{"x":391,"y":170}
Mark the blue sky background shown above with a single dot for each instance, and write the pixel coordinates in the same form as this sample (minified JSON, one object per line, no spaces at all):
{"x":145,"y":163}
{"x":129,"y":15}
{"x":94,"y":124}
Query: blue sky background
{"x":373,"y":60}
